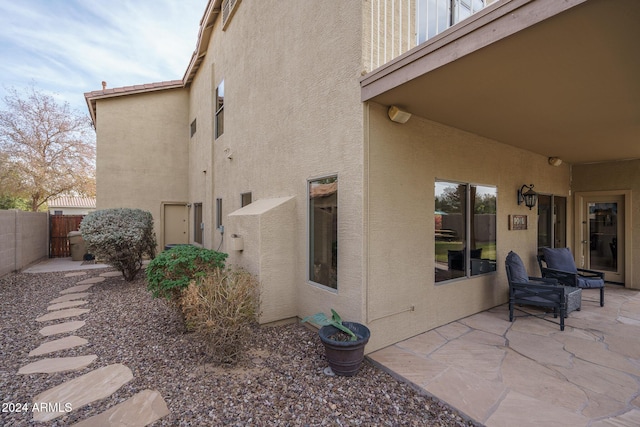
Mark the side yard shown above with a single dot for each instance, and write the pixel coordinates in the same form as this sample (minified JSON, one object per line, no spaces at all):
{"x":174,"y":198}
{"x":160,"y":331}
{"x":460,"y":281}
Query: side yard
{"x":279,"y":382}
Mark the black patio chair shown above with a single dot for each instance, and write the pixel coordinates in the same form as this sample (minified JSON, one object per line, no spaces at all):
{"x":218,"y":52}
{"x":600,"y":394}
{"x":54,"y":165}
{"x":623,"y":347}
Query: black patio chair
{"x":558,"y":263}
{"x":538,"y":291}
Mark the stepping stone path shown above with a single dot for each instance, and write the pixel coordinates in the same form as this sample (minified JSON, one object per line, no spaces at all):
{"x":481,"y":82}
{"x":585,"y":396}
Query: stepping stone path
{"x":142,"y":409}
{"x":67,"y":304}
{"x":62,"y":314}
{"x":57,"y":364}
{"x":57,"y":345}
{"x":62,"y":328}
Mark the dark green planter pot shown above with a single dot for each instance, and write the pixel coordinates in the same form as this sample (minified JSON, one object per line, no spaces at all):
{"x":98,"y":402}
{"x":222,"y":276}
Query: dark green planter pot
{"x":345,"y":357}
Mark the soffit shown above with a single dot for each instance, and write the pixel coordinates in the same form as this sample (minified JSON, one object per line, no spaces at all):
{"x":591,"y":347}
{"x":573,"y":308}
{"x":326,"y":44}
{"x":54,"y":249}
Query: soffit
{"x":562,"y":83}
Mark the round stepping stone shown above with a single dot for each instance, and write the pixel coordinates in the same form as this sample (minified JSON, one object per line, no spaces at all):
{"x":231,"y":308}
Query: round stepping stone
{"x":79,"y":288}
{"x":111,"y":274}
{"x":80,"y":391}
{"x":69,"y":297}
{"x":62,"y":328}
{"x":77,"y":273}
{"x":67,"y":304}
{"x":57,"y":345}
{"x":62,"y":314}
{"x":91,"y":280}
{"x":57,"y":364}
{"x":142,"y":409}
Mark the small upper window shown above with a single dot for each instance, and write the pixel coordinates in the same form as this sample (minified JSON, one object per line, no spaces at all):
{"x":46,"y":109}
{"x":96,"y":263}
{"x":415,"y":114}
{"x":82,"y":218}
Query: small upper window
{"x":228,"y":9}
{"x":245,"y":199}
{"x":198,"y":224}
{"x":219,"y":125}
{"x":218,"y":213}
{"x":193,"y":127}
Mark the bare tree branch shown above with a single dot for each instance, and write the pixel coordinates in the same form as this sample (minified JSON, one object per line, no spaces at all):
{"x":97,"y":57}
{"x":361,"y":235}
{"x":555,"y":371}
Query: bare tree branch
{"x":46,"y":150}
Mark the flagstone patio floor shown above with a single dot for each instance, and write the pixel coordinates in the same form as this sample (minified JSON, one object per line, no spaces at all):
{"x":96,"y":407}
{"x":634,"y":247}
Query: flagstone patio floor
{"x":529,"y":373}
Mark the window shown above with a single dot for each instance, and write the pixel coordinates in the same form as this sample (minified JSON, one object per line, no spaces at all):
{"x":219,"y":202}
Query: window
{"x":323,"y":231}
{"x":435,"y":16}
{"x":198,"y":224}
{"x":228,"y":9}
{"x":219,"y":119}
{"x":218,"y":213}
{"x":57,"y":212}
{"x":193,"y":127}
{"x":552,"y":221}
{"x":465,"y":230}
{"x":245,"y":199}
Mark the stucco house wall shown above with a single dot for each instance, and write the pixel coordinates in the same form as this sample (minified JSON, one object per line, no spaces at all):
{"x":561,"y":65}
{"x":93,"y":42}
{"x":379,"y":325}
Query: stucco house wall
{"x":142,"y":151}
{"x":404,"y":162}
{"x":291,"y":113}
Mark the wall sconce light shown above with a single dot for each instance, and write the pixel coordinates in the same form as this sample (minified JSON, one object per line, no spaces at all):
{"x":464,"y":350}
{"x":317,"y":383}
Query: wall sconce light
{"x":397,"y":115}
{"x":555,"y":161}
{"x":529,"y":197}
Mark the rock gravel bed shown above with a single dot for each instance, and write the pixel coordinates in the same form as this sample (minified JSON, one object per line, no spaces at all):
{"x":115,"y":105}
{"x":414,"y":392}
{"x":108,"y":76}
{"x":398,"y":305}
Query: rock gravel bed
{"x":280,"y":382}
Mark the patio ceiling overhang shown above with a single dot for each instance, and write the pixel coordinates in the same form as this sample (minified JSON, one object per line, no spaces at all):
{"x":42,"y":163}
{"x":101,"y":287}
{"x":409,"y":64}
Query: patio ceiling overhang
{"x":558,"y":78}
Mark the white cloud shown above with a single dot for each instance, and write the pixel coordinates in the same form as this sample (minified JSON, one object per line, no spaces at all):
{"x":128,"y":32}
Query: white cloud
{"x":69,"y":46}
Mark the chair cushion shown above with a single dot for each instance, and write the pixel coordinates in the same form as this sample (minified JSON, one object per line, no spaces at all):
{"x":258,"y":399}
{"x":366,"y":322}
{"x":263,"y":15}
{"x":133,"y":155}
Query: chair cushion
{"x":517,"y":268}
{"x":559,"y":259}
{"x":590,"y":282}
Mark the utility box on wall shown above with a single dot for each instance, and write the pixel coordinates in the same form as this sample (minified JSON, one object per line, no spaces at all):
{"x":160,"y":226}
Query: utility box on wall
{"x":261,"y":242}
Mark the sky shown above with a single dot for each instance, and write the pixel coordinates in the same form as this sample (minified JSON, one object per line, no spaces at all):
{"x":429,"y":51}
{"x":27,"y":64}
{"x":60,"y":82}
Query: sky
{"x":65,"y":48}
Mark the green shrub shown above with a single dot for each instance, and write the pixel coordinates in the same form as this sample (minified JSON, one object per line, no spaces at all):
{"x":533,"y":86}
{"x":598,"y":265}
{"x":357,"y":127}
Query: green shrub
{"x":172,"y":270}
{"x":120,"y":237}
{"x":222,"y":306}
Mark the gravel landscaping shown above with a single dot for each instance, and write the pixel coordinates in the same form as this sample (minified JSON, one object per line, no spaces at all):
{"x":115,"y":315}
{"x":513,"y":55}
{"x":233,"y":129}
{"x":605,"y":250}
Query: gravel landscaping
{"x":280,"y":381}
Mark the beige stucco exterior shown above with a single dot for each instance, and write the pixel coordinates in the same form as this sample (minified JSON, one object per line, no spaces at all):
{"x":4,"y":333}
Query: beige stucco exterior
{"x":403,"y":163}
{"x":145,"y":163}
{"x":292,"y":73}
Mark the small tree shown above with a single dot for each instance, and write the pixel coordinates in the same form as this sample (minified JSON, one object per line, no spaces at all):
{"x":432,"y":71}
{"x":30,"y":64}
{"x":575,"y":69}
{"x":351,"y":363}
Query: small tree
{"x":46,"y":149}
{"x":120,"y":237}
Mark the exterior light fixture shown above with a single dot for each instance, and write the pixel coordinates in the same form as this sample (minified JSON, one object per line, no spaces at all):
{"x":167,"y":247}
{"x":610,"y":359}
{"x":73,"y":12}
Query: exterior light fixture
{"x":529,"y":197}
{"x":397,"y":115}
{"x":555,"y":161}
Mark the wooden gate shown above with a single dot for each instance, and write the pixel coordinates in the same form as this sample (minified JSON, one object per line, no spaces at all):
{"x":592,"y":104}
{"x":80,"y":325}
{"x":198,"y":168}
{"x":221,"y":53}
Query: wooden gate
{"x":60,"y":226}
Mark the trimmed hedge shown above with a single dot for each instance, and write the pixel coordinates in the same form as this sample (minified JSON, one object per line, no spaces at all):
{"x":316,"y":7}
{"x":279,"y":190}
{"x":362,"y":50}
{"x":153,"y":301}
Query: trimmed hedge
{"x":172,"y":270}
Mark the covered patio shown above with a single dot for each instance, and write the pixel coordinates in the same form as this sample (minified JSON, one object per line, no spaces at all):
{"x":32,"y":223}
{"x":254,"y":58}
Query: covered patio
{"x":529,"y":373}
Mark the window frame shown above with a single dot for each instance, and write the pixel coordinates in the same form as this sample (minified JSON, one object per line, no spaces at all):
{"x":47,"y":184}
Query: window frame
{"x":219,"y":111}
{"x":428,"y":27}
{"x":198,"y":223}
{"x":193,"y":128}
{"x":218,"y":213}
{"x":311,"y":265}
{"x":487,"y":264}
{"x":556,"y":221}
{"x":245,"y":199}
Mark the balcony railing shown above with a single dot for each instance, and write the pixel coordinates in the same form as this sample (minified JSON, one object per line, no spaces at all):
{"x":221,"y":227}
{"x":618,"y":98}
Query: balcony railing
{"x":397,"y":26}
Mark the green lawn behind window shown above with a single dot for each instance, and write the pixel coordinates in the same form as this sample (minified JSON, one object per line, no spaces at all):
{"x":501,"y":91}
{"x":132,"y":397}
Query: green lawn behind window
{"x":488,"y":250}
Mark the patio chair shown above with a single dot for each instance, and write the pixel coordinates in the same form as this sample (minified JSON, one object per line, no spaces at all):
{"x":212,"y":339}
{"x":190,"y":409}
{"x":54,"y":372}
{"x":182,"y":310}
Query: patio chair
{"x":558,"y":263}
{"x":538,"y":291}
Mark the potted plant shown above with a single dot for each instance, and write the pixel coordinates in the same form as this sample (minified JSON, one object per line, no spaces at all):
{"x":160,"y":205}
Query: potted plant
{"x":343,"y":342}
